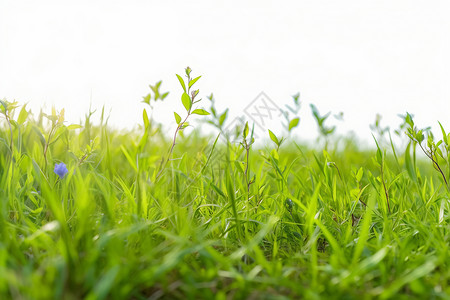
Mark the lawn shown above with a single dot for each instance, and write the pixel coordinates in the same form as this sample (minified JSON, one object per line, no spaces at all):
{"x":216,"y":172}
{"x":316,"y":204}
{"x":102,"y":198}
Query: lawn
{"x":88,"y":212}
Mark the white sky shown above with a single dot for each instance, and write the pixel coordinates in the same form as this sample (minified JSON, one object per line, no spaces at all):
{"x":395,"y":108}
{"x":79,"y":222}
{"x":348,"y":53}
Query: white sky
{"x":359,"y":57}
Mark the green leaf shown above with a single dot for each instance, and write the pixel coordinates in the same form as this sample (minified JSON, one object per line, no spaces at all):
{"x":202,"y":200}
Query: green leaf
{"x":39,"y":134}
{"x":365,"y":229}
{"x":379,"y":156}
{"x":239,"y":167}
{"x":181,"y":82}
{"x":22,"y":115}
{"x":191,"y":83}
{"x":186,"y":101}
{"x":273,"y":137}
{"x":223,"y":117}
{"x":4,"y":107}
{"x":177,"y":117}
{"x":229,"y":183}
{"x":293,"y":123}
{"x":14,"y":123}
{"x":184,"y":125}
{"x":130,"y":160}
{"x":409,"y":120}
{"x":147,"y":99}
{"x":145,"y":118}
{"x":443,"y":133}
{"x":409,"y":164}
{"x":200,"y":112}
{"x":439,"y":151}
{"x":36,"y":211}
{"x":379,"y":153}
{"x":74,"y":126}
{"x":245,"y":132}
{"x":359,"y":174}
{"x":217,"y":189}
{"x":213,"y":111}
{"x":52,"y":118}
{"x":163,"y":96}
{"x":420,"y":137}
{"x":275,"y":155}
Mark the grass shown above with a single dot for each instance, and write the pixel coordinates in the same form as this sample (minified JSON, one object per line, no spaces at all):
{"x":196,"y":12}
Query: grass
{"x":215,"y":220}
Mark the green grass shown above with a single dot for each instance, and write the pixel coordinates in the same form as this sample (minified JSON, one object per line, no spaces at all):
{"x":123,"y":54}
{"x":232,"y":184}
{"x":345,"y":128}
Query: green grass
{"x":223,"y":221}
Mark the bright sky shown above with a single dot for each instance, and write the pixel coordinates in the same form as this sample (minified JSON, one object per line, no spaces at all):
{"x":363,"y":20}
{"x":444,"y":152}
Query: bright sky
{"x":359,"y":57}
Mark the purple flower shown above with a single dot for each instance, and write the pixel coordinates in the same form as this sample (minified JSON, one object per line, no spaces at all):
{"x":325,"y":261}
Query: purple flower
{"x":61,"y":170}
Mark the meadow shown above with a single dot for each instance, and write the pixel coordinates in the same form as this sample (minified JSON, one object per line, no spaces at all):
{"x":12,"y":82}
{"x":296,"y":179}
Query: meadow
{"x":87,"y":212}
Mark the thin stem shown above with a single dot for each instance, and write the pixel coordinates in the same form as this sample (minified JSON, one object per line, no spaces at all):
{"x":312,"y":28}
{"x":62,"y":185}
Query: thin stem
{"x":169,"y":154}
{"x":430,"y":156}
{"x":172,"y":146}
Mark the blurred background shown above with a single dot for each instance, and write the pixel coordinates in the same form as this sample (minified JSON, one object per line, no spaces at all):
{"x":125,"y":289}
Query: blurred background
{"x":361,"y":58}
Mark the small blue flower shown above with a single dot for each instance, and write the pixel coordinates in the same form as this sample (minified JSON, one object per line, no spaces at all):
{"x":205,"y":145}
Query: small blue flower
{"x":61,"y":170}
